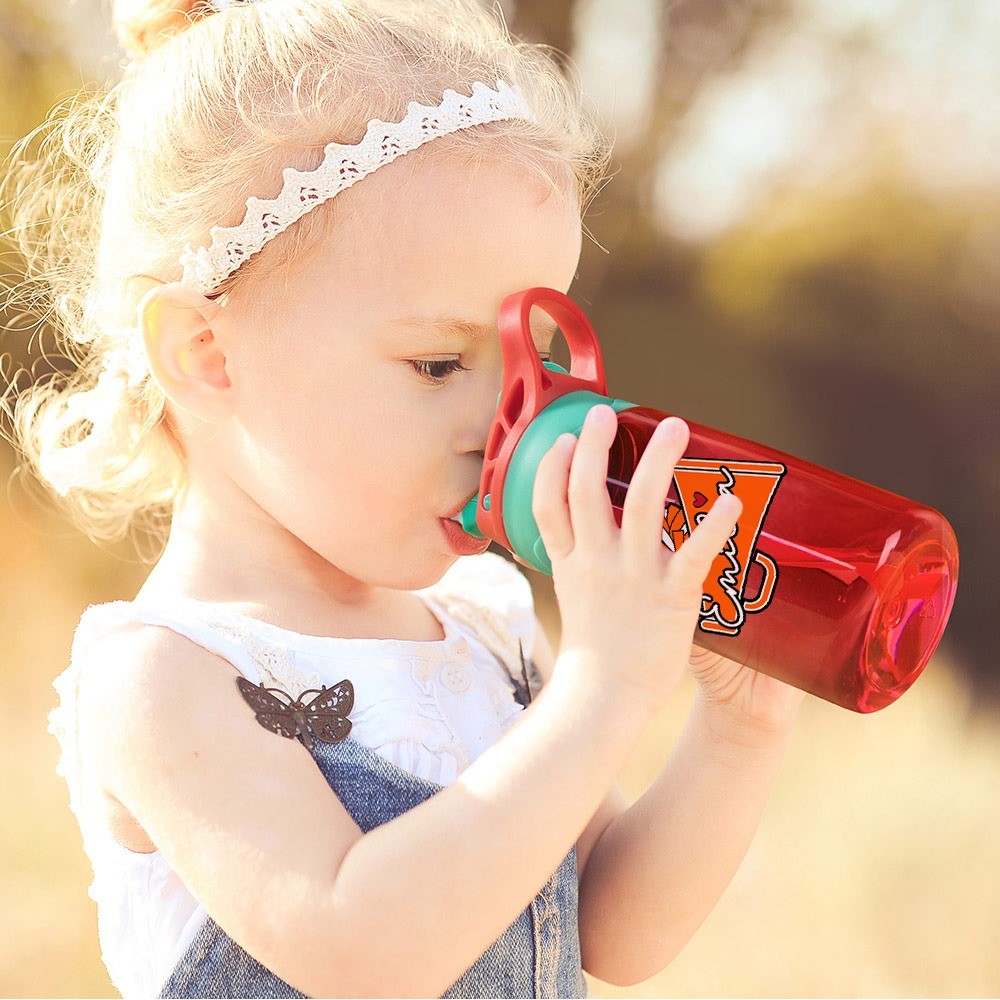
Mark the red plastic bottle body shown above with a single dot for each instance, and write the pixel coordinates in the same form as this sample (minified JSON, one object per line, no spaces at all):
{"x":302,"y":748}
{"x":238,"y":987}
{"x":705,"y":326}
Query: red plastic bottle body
{"x":833,"y":585}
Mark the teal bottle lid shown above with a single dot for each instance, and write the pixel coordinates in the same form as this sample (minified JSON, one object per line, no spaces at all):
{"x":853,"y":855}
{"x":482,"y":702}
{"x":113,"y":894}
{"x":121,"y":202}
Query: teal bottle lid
{"x":565,"y":414}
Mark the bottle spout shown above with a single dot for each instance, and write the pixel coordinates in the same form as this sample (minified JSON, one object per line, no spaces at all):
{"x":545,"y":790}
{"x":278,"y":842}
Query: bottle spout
{"x":466,"y":517}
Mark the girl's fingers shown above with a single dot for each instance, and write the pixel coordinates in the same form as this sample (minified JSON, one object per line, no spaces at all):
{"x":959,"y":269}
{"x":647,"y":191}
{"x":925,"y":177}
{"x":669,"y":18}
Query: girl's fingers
{"x":642,"y":511}
{"x":548,"y":500}
{"x":589,"y":503}
{"x":690,"y":564}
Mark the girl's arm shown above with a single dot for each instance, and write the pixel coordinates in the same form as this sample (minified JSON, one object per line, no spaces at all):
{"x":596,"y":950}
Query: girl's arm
{"x":651,"y":874}
{"x":658,"y":868}
{"x":249,"y":824}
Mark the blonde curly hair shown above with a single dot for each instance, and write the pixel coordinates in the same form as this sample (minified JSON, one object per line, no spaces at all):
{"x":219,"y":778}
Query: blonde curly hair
{"x":214,"y":104}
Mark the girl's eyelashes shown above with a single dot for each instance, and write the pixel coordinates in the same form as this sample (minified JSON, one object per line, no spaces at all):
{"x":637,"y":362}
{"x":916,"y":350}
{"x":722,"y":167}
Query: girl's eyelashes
{"x":438,"y":372}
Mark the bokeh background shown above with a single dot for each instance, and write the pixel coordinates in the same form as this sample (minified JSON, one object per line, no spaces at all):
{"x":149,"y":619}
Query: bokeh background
{"x":801,"y":245}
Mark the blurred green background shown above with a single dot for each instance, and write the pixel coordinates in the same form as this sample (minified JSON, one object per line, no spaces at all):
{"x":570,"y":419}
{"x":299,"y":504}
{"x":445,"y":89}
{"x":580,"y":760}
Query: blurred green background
{"x":801,"y":245}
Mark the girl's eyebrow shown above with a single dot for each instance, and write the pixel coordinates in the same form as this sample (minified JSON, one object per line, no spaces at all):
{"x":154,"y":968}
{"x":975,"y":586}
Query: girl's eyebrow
{"x":441,"y":327}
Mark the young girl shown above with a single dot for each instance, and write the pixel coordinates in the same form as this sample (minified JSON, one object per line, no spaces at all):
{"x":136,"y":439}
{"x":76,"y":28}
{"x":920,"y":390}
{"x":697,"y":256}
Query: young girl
{"x":304,"y":217}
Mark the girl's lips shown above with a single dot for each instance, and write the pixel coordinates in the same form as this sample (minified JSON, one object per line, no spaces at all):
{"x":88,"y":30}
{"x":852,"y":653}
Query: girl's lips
{"x":460,"y":541}
{"x":455,"y":514}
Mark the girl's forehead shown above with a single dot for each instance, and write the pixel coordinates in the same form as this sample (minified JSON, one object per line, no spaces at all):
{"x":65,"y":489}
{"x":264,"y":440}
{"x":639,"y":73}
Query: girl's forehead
{"x":443,"y":240}
{"x":435,"y":196}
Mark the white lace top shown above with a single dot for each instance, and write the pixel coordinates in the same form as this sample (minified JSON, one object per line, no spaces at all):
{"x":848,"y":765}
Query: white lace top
{"x":429,"y":707}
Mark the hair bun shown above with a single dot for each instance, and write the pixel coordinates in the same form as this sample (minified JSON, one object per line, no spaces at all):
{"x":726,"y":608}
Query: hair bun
{"x":142,"y":25}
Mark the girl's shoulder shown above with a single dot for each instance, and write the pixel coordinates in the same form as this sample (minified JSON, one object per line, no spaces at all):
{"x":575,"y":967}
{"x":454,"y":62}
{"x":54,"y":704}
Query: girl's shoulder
{"x":119,"y":670}
{"x":178,"y":624}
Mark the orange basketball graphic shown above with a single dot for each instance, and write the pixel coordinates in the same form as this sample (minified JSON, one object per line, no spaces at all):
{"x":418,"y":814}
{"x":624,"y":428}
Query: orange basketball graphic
{"x":674,"y":526}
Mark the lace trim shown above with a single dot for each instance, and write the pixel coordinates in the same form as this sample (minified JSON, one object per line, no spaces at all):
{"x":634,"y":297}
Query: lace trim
{"x":275,"y":661}
{"x":342,"y":166}
{"x":62,"y":725}
{"x":489,"y":627}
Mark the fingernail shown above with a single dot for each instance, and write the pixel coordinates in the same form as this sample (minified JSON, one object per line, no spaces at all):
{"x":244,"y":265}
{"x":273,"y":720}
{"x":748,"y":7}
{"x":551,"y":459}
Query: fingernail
{"x":597,"y":415}
{"x":669,"y":427}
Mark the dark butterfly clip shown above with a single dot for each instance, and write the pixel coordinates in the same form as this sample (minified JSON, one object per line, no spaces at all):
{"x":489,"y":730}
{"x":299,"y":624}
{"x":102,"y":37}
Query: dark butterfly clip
{"x":324,"y":718}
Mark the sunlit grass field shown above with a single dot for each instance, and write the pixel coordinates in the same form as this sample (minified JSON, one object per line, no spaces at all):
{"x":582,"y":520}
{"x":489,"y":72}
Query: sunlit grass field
{"x":876,"y":871}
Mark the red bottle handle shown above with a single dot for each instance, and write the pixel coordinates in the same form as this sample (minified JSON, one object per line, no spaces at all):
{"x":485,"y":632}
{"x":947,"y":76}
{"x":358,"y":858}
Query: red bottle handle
{"x":528,"y":387}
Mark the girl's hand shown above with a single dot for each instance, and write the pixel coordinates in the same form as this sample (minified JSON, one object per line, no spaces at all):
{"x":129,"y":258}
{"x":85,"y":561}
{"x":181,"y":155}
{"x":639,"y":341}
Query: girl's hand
{"x":629,"y":606}
{"x":740,"y":696}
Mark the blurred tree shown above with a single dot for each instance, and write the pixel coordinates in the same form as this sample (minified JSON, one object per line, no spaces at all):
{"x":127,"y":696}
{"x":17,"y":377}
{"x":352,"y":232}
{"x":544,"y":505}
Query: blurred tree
{"x":846,"y":316}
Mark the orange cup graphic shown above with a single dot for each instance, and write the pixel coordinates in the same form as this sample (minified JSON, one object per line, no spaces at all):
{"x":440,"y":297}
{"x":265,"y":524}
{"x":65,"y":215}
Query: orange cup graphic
{"x":699,"y":483}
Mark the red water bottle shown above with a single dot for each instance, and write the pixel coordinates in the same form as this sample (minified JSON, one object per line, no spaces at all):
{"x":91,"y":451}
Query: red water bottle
{"x":828,"y":583}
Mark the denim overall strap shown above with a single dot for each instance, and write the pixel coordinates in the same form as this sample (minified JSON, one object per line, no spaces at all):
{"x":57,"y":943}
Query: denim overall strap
{"x":538,"y":955}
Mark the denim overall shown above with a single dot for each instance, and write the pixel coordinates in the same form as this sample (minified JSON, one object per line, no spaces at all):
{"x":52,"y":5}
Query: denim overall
{"x":538,"y":955}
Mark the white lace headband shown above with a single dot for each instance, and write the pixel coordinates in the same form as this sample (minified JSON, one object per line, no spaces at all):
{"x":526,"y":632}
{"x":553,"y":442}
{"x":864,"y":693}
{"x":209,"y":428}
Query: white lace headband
{"x":342,"y":166}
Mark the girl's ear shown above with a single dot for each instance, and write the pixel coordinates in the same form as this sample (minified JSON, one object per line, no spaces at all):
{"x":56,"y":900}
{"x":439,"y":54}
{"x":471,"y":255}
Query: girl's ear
{"x":186,"y":347}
